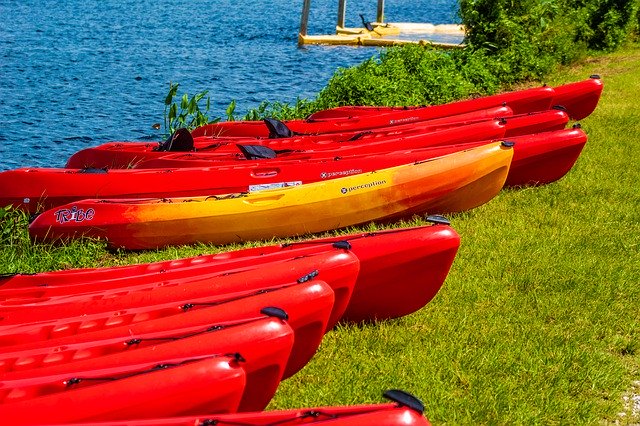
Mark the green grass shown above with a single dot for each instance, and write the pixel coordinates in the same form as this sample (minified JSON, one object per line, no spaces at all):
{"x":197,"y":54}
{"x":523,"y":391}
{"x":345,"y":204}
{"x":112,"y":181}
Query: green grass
{"x":538,"y":320}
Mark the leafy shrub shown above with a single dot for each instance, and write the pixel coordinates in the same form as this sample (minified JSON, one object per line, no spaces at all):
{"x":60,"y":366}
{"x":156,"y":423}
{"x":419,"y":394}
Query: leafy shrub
{"x":282,"y":111}
{"x":543,"y":32}
{"x":187,"y":112}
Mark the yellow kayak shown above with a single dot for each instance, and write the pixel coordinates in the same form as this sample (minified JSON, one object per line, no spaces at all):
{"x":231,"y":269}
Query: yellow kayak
{"x":451,"y":183}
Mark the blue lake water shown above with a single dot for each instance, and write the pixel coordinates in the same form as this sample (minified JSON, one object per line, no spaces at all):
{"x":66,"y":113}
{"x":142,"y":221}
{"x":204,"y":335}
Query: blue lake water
{"x":75,"y":73}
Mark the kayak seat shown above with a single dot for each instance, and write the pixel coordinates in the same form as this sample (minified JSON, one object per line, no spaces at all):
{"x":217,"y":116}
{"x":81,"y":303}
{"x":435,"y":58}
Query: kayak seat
{"x":179,"y":141}
{"x":277,"y":129}
{"x":92,"y":170}
{"x":256,"y":152}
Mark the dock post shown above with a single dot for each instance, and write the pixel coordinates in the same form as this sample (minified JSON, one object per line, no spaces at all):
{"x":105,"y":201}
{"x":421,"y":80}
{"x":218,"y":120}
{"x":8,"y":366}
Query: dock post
{"x":380,"y":12}
{"x":304,"y":20}
{"x":342,"y":10}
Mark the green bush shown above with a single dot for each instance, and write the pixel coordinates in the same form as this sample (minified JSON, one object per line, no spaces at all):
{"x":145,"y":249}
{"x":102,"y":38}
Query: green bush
{"x":186,"y":113}
{"x":411,"y":75}
{"x":545,"y":32}
{"x":610,"y":22}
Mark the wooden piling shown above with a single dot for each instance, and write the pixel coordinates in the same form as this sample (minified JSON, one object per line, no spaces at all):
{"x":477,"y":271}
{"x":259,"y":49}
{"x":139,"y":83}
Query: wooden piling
{"x":304,"y":20}
{"x":380,"y":12}
{"x":342,"y":11}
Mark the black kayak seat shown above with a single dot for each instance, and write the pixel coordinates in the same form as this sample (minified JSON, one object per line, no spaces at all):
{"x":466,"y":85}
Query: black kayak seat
{"x":92,"y":170}
{"x":277,"y":129}
{"x":256,"y":152}
{"x":179,"y":141}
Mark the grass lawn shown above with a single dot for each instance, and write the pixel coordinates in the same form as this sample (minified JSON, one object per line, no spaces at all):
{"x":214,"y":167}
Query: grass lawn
{"x":538,"y":321}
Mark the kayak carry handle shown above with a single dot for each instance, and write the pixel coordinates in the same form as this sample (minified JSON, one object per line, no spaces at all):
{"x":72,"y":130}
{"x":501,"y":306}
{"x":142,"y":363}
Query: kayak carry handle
{"x":93,"y":170}
{"x":344,"y":244}
{"x":276,"y":312}
{"x":405,"y":399}
{"x":237,"y":357}
{"x":311,"y":275}
{"x":358,"y":135}
{"x":438,"y":219}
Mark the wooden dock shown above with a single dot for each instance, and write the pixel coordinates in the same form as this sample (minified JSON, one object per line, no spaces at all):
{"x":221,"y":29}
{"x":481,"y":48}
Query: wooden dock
{"x":380,"y":33}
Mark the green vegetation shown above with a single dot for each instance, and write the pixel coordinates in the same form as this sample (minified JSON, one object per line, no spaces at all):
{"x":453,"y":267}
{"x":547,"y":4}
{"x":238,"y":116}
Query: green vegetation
{"x":508,"y":43}
{"x":537,"y":322}
{"x":187,"y":112}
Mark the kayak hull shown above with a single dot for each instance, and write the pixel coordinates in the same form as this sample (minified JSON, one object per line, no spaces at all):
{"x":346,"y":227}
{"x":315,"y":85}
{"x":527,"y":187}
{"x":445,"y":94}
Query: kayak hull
{"x":263,"y":343}
{"x":308,"y":307}
{"x":387,"y":414}
{"x":579,"y":99}
{"x":452,"y":183}
{"x":544,"y":158}
{"x":214,"y":384}
{"x":417,"y":259}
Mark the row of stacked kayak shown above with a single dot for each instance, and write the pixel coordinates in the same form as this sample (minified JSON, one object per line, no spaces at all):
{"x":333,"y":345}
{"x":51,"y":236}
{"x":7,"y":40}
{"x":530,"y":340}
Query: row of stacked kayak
{"x":239,"y":181}
{"x":208,"y":339}
{"x":208,"y":334}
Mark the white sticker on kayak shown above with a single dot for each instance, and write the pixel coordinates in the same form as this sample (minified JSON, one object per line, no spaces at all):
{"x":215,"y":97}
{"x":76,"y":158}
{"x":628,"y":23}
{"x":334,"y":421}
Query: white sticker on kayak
{"x":329,"y":175}
{"x":263,"y":186}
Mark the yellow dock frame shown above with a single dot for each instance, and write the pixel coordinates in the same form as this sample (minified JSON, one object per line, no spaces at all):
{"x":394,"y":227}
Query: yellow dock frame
{"x":376,"y":33}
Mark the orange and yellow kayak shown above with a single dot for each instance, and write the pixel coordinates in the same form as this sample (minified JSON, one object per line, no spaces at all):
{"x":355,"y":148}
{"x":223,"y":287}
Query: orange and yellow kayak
{"x":451,"y":183}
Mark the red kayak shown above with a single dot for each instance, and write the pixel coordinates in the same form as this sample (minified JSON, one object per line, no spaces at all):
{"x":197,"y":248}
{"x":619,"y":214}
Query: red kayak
{"x":128,"y":154}
{"x":42,"y":188}
{"x":124,"y":155}
{"x":264,"y":345}
{"x":525,"y":101}
{"x":579,"y":99}
{"x":367,"y":144}
{"x":416,"y":260}
{"x":406,"y":410}
{"x":308,"y":307}
{"x":339,"y":269}
{"x":176,"y":387}
{"x":538,"y":158}
{"x":110,"y":296}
